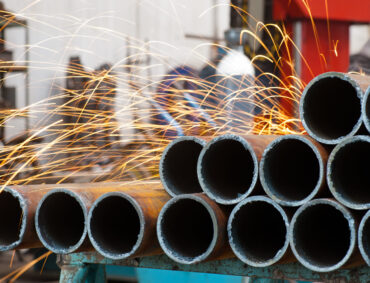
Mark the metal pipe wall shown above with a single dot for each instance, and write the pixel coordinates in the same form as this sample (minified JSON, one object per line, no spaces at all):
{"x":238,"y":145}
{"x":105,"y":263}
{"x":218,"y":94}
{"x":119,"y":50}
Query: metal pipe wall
{"x":366,"y":109}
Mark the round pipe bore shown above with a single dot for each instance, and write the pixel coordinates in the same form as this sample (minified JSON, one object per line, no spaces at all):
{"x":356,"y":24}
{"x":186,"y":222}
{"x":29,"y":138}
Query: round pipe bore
{"x":364,"y":237}
{"x":116,"y":225}
{"x":60,"y":221}
{"x":366,"y":109}
{"x":258,"y":231}
{"x":192,"y":229}
{"x":330,"y":107}
{"x":348,"y":175}
{"x":228,"y":168}
{"x":178,"y":166}
{"x":13,"y":219}
{"x":322,"y":235}
{"x":292,"y":169}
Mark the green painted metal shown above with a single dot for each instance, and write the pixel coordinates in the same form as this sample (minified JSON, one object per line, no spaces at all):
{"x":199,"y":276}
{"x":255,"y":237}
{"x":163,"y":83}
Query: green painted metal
{"x":228,"y":267}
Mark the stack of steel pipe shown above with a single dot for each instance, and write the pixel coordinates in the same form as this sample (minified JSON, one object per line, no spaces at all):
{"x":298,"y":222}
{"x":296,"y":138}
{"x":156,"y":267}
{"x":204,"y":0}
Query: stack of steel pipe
{"x":264,"y":199}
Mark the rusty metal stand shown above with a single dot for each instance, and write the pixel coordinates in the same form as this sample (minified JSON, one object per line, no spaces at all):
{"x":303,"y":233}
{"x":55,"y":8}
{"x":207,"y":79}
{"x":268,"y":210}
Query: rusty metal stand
{"x":90,"y":267}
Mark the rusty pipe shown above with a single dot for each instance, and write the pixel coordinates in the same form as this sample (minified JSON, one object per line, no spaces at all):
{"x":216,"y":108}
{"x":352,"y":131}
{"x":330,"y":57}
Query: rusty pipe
{"x":122,"y":224}
{"x":322,"y":236}
{"x":366,"y":109}
{"x":364,"y":238}
{"x":192,"y":228}
{"x":347,"y":173}
{"x":292,"y":169}
{"x":330,"y":106}
{"x":258,"y":232}
{"x":62,"y":213}
{"x":178,"y":166}
{"x":228,"y":166}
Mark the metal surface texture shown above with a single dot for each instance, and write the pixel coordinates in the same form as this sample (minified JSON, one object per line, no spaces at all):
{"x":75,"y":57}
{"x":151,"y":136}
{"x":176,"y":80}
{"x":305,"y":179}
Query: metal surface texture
{"x":293,"y":169}
{"x":122,"y":224}
{"x":348,"y":172}
{"x":228,"y":166}
{"x":258,"y":232}
{"x":364,"y":237}
{"x":366,"y":109}
{"x":192,"y":228}
{"x":330,"y":106}
{"x":178,"y":166}
{"x":227,"y":266}
{"x":61,"y":214}
{"x":322,"y":236}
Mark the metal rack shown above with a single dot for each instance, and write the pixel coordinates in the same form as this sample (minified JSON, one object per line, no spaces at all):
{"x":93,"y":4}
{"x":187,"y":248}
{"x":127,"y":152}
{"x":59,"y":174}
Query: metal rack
{"x":90,"y":267}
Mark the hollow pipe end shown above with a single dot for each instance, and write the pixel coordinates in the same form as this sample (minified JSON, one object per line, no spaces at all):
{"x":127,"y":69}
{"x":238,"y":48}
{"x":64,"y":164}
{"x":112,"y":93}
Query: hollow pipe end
{"x":96,"y":243}
{"x":234,"y":244}
{"x":365,"y":110}
{"x":49,"y":244}
{"x":175,"y":256}
{"x":162,"y":173}
{"x":203,"y":181}
{"x":24,"y":215}
{"x":263,"y":178}
{"x":356,"y":127}
{"x":337,"y":195}
{"x":351,"y":225}
{"x":365,"y":251}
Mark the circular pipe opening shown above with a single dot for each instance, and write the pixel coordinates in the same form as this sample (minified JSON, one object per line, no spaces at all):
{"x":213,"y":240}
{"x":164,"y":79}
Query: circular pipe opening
{"x":291,"y":171}
{"x":227,"y":169}
{"x":348,"y":174}
{"x":258,"y":231}
{"x":330,"y":107}
{"x":364,"y":238}
{"x":60,"y":221}
{"x":13,"y":217}
{"x":116,"y":225}
{"x":366,"y":109}
{"x":178,"y":166}
{"x":186,"y":230}
{"x":322,"y":236}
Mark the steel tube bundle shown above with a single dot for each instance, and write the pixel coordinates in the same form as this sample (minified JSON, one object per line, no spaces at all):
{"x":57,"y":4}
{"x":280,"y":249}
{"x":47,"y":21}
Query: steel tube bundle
{"x":192,"y":228}
{"x":178,"y":166}
{"x":323,"y":235}
{"x":364,"y":237}
{"x":228,"y":166}
{"x":348,"y":175}
{"x":122,"y":224}
{"x":366,"y":109}
{"x":292,"y":169}
{"x":62,"y":213}
{"x":258,"y":232}
{"x":330,"y":106}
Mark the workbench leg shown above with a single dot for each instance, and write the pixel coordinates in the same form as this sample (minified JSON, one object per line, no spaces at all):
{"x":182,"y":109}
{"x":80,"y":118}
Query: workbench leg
{"x":81,"y":273}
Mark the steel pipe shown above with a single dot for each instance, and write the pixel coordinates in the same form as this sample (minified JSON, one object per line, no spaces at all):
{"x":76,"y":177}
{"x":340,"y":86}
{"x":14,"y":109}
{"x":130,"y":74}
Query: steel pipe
{"x":228,"y":166}
{"x":17,"y":211}
{"x":178,"y":166}
{"x":122,"y":224}
{"x":348,"y":176}
{"x":258,"y":232}
{"x":323,"y":235}
{"x":62,"y":213}
{"x":364,"y":237}
{"x":330,"y":106}
{"x":366,"y":109}
{"x":192,"y":228}
{"x":292,"y":169}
